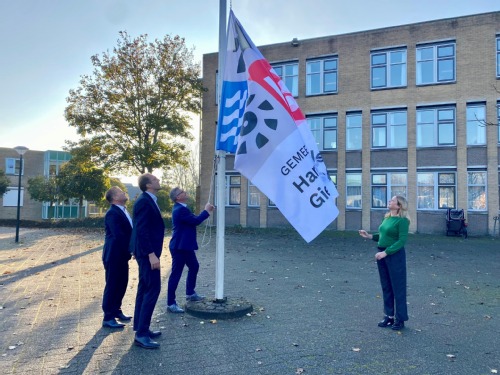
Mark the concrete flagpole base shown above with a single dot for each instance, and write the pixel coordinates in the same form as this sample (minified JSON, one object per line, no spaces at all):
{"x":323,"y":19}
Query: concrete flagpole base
{"x":227,"y":308}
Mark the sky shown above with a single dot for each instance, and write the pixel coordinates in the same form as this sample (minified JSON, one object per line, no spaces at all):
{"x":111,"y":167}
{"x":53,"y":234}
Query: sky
{"x":46,"y":45}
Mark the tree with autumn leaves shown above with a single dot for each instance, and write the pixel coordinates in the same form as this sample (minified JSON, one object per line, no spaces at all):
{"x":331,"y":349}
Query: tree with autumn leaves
{"x":133,"y":111}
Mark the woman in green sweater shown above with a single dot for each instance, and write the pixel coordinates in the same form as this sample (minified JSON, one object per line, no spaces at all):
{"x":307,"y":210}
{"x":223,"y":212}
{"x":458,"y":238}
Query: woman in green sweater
{"x":391,"y":261}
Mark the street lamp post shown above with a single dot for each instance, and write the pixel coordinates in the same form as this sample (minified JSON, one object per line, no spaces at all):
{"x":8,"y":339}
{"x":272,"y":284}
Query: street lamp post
{"x":21,"y":150}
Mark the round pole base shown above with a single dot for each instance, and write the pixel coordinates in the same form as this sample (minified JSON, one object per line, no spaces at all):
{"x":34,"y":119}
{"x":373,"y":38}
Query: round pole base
{"x":226,"y":308}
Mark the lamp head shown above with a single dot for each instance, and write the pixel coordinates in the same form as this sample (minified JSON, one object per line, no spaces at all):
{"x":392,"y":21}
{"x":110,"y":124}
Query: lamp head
{"x":21,"y":150}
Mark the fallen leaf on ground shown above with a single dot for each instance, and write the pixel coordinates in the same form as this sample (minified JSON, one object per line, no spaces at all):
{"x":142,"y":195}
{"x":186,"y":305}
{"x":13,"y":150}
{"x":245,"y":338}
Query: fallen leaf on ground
{"x":356,"y":349}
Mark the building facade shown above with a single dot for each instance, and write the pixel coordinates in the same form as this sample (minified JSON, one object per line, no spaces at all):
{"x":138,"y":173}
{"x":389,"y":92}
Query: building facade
{"x":35,"y":163}
{"x":411,"y":110}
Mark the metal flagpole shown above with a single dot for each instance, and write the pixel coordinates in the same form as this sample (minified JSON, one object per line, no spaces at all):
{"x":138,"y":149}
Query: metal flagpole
{"x":221,"y":168}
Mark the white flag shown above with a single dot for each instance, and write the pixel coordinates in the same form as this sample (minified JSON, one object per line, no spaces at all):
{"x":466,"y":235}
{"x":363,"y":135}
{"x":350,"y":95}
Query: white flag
{"x":261,"y":122}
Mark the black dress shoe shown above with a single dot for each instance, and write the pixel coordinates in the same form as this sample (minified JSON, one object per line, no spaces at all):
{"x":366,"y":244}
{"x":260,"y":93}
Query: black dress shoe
{"x":146,"y":342}
{"x":387,"y":322}
{"x":398,"y":325}
{"x":153,"y":334}
{"x":112,"y":324}
{"x":122,"y":316}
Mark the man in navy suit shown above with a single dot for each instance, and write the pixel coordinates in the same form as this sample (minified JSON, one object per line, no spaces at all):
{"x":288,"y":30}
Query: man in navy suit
{"x":146,"y":244}
{"x":182,"y":247}
{"x":115,"y":257}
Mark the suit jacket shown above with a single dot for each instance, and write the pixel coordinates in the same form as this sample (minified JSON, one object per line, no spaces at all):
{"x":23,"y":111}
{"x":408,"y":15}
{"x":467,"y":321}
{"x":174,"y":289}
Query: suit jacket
{"x":184,"y":224}
{"x":149,"y":228}
{"x":118,"y":231}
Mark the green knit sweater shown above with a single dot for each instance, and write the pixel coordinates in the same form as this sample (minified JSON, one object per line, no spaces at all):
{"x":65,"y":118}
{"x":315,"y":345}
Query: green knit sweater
{"x":392,"y":234}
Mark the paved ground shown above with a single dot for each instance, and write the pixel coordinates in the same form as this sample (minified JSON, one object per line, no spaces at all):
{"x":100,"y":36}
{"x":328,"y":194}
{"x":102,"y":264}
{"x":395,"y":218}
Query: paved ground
{"x":316,"y":308}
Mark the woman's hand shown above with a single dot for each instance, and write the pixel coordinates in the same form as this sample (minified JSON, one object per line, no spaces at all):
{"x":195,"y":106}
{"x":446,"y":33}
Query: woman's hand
{"x":380,"y":255}
{"x":365,"y":234}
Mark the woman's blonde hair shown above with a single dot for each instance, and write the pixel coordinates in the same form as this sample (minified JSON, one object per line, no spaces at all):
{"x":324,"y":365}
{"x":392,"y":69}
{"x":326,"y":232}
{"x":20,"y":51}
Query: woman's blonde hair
{"x":403,"y":207}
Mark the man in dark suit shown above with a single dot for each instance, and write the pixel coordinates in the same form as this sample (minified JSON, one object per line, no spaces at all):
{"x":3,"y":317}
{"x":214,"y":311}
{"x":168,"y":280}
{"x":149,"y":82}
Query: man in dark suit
{"x":182,"y":248}
{"x":115,"y":257}
{"x":147,"y":244}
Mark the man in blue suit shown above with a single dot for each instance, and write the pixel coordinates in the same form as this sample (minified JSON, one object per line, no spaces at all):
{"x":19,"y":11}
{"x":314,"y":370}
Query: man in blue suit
{"x":115,"y":257}
{"x":182,"y":247}
{"x":147,"y":244}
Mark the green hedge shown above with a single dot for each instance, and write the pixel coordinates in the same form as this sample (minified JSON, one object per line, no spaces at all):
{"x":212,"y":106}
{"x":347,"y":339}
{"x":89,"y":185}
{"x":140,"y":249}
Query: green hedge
{"x":89,"y":222}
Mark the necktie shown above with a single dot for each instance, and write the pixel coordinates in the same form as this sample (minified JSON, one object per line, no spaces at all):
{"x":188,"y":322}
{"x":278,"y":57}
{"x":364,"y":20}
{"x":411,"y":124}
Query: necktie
{"x":128,"y":216}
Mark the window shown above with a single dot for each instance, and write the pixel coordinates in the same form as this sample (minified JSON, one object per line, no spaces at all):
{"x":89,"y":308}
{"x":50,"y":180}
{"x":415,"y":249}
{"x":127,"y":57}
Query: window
{"x":388,"y":69}
{"x":10,"y":197}
{"x":389,"y":129}
{"x":498,"y":56}
{"x":436,"y":190}
{"x":353,"y":190}
{"x":333,"y":177}
{"x":232,"y":191}
{"x":476,"y":124}
{"x":385,"y":186}
{"x":253,"y":195}
{"x":353,"y":131}
{"x":12,"y":167}
{"x":324,"y":130}
{"x":289,"y":74}
{"x":435,"y":127}
{"x":498,"y":121}
{"x":53,"y":160}
{"x":321,"y":76}
{"x":476,"y":191}
{"x":436,"y":64}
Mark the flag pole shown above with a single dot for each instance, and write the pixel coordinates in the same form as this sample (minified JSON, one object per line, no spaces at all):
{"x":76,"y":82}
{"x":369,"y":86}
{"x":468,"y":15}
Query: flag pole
{"x":221,"y":167}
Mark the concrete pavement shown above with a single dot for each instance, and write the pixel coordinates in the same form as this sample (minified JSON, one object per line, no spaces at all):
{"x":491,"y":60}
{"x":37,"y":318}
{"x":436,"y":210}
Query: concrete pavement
{"x":316,"y":308}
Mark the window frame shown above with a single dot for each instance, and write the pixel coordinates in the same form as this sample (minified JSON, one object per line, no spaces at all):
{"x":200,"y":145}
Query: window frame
{"x":435,"y":60}
{"x":294,"y":90}
{"x":388,"y":66}
{"x":389,"y":136}
{"x":352,"y":129}
{"x":484,"y":194}
{"x":253,"y":192}
{"x":13,"y":169}
{"x":322,"y":130}
{"x":498,"y":121}
{"x":11,"y":195}
{"x":436,"y":124}
{"x":479,"y":124}
{"x":349,"y":184}
{"x":229,"y":187}
{"x":322,"y":72}
{"x":389,"y":186}
{"x":497,"y":40}
{"x":438,"y":184}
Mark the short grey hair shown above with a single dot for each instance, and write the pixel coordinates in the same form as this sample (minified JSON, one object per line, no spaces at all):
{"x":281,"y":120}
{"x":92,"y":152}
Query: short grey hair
{"x":174,"y":193}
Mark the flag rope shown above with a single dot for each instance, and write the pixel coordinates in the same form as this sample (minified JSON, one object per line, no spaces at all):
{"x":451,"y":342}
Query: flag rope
{"x":208,"y":223}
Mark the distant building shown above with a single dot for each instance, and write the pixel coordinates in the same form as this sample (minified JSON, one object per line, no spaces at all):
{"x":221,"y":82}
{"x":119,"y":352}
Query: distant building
{"x":35,"y":163}
{"x":397,"y":110}
{"x":132,"y":191}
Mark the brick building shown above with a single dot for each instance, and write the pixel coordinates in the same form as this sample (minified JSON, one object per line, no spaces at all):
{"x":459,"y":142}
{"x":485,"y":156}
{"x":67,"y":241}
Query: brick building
{"x":35,"y":163}
{"x":397,"y":110}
